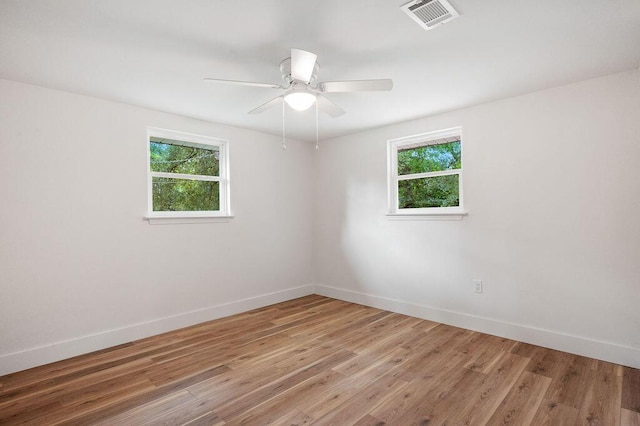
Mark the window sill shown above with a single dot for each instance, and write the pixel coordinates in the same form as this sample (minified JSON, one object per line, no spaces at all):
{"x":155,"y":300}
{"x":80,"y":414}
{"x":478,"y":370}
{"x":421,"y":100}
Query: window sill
{"x":181,"y":220}
{"x":427,"y":216}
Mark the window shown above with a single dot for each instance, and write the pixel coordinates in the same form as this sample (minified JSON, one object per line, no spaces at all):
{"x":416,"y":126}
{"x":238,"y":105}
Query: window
{"x":187,"y":176}
{"x":425,"y":174}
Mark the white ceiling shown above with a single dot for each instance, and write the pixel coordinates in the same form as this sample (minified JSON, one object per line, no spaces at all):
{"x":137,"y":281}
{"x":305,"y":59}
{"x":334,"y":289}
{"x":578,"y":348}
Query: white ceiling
{"x":155,"y":53}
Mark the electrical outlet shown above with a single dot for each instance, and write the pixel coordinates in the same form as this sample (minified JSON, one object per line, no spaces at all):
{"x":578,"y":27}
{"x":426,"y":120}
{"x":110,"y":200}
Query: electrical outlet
{"x":477,"y":286}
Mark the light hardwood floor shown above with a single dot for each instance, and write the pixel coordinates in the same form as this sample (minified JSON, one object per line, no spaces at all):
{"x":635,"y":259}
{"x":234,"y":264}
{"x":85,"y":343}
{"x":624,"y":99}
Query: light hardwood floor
{"x":316,"y":360}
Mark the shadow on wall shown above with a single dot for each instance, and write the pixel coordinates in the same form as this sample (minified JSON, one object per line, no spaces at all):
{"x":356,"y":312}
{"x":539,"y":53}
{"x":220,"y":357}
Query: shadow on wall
{"x":416,"y":261}
{"x":432,"y":263}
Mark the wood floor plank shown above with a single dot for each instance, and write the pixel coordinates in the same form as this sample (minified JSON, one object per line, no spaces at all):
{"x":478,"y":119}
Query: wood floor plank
{"x":281,"y":405}
{"x":521,"y":403}
{"x":444,"y":400}
{"x":570,"y":377}
{"x":422,"y":388}
{"x":343,"y":334}
{"x":351,"y":410}
{"x":374,"y":364}
{"x":378,"y":332}
{"x":55,"y":369}
{"x":150,"y":411}
{"x":404,"y":339}
{"x":308,"y":313}
{"x":81,"y":407}
{"x":330,"y":398}
{"x":526,"y":350}
{"x":189,"y":412}
{"x":551,"y":413}
{"x":208,"y":419}
{"x":355,"y":379}
{"x":602,"y":400}
{"x":294,"y":418}
{"x":319,"y":330}
{"x":316,"y":360}
{"x":26,"y":413}
{"x":487,"y":395}
{"x":93,"y":416}
{"x":425,"y":325}
{"x":55,"y":393}
{"x":487,"y":351}
{"x":61,"y":373}
{"x":240,"y":381}
{"x":433,"y":353}
{"x":260,"y":349}
{"x":240,"y":405}
{"x":631,"y":389}
{"x":629,"y":418}
{"x":369,"y":420}
{"x":549,"y":362}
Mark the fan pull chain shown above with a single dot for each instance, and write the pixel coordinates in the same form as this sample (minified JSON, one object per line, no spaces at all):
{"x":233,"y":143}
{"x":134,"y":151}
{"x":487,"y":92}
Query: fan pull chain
{"x":317,"y":132}
{"x":284,"y":140}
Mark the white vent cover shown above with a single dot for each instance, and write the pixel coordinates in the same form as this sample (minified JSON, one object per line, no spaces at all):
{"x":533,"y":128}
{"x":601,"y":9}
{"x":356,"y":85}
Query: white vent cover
{"x":430,"y":13}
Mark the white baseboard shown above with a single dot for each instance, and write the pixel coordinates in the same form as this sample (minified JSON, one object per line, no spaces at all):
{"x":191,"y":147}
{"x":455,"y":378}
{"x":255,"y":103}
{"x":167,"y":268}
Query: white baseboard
{"x":41,"y":355}
{"x":606,"y":351}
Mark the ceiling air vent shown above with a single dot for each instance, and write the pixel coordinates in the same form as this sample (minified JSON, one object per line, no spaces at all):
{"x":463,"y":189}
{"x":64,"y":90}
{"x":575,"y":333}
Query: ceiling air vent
{"x":430,"y":13}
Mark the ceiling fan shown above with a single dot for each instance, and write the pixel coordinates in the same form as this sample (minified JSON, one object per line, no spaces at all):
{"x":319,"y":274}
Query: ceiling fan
{"x":299,"y":73}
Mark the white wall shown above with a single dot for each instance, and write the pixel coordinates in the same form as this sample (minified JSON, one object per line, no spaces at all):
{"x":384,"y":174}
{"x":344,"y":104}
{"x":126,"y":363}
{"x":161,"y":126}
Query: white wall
{"x":80,"y":269}
{"x":552,"y":187}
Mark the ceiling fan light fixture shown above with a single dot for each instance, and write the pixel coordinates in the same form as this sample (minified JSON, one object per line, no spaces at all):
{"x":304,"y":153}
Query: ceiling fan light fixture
{"x":299,"y":73}
{"x":300,"y":100}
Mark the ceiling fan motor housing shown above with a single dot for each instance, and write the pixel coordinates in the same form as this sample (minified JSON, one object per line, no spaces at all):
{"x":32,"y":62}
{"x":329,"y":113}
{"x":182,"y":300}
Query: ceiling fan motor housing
{"x":285,"y":69}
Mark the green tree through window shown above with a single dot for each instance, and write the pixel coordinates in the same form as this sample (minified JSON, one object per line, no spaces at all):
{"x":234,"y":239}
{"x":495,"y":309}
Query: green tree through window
{"x":425,"y":173}
{"x":185,"y":176}
{"x":435,"y":191}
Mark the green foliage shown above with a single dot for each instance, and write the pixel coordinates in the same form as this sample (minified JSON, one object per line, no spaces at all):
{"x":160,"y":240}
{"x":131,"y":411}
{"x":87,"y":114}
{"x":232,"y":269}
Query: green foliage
{"x":185,"y":195}
{"x":430,"y":158}
{"x":171,"y":194}
{"x":436,"y":191}
{"x":190,"y":160}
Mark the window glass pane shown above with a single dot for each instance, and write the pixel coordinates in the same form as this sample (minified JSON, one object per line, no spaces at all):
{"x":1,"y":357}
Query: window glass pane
{"x":429,"y":158}
{"x":170,"y":157}
{"x":185,"y":195}
{"x":437,"y":191}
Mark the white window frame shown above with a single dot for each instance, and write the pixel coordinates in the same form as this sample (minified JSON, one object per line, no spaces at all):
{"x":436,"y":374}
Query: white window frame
{"x":393,"y":146}
{"x":198,"y":141}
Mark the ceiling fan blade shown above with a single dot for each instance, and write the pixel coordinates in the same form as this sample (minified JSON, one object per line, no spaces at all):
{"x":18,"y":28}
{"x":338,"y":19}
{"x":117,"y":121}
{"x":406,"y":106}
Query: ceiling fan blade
{"x":328,"y":107}
{"x":356,"y":85}
{"x":302,"y":65}
{"x":244,"y":83}
{"x":270,"y":104}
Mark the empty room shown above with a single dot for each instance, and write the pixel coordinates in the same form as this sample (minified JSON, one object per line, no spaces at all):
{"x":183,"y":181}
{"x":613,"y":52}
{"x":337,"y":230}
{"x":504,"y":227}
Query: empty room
{"x":299,"y":212}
